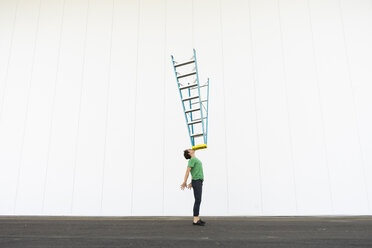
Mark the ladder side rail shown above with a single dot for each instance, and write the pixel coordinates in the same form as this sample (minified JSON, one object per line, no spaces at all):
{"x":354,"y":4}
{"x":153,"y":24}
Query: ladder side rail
{"x":183,"y":105}
{"x":201,"y":109}
{"x":192,"y":125}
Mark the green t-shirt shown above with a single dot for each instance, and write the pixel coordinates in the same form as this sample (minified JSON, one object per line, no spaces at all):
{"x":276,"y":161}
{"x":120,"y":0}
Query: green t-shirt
{"x":197,"y":168}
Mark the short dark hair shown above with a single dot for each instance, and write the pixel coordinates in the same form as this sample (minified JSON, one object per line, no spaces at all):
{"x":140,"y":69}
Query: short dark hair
{"x":186,"y":154}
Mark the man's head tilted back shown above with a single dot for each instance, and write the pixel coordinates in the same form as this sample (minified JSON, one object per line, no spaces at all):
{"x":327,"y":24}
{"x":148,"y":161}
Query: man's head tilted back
{"x":187,"y":153}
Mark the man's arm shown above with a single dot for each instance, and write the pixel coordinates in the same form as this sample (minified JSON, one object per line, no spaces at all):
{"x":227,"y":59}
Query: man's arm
{"x":183,"y":185}
{"x":187,"y":174}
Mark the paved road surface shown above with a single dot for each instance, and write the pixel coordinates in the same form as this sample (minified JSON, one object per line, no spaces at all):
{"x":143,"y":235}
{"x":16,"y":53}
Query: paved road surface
{"x":92,"y":232}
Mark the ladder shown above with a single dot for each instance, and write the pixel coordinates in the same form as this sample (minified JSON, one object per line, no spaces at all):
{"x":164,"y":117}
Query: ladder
{"x":194,"y":99}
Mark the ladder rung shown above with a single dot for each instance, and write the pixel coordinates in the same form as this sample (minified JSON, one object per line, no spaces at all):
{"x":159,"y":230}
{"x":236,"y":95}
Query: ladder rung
{"x":188,"y":86}
{"x":190,"y":98}
{"x":195,"y":88}
{"x":186,"y":63}
{"x":200,"y":119}
{"x":186,"y":75}
{"x":201,"y":86}
{"x":192,"y":110}
{"x":197,"y":134}
{"x":197,"y":102}
{"x":194,"y":122}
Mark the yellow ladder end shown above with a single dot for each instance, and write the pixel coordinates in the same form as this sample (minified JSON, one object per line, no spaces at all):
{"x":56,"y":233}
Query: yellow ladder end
{"x":198,"y":147}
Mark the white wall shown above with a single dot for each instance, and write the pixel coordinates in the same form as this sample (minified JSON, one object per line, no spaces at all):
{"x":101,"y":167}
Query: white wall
{"x":91,"y":121}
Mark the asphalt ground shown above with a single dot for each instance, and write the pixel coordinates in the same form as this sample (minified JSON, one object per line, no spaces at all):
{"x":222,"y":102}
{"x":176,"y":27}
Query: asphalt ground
{"x":40,"y":232}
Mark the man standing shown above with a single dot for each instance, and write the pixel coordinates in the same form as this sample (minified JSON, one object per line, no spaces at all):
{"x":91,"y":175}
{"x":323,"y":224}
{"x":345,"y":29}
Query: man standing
{"x":195,"y":167}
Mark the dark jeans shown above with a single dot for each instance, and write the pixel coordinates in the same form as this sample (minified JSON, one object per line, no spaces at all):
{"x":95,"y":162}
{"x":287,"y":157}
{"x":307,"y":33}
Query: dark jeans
{"x":197,"y":186}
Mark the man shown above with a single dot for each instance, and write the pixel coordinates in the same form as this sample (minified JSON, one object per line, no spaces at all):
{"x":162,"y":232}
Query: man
{"x":195,"y":167}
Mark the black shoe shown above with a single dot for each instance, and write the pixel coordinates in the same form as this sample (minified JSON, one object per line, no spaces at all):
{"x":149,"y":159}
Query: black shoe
{"x":203,"y":222}
{"x":199,"y":223}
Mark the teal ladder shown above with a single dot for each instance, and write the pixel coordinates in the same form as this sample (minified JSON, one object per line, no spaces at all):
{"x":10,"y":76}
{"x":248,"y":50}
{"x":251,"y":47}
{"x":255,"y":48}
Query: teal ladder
{"x":194,"y":99}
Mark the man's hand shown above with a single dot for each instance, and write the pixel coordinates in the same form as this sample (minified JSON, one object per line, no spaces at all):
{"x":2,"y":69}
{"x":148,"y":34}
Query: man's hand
{"x":189,"y":186}
{"x":183,"y":185}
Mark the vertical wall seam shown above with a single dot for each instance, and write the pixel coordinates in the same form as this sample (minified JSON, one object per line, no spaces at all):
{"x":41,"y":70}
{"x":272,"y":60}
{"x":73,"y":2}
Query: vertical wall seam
{"x":287,"y":105}
{"x":224,"y":108}
{"x":107,"y":104}
{"x":27,"y":105}
{"x":320,"y":107}
{"x":192,"y":24}
{"x":135,"y":105}
{"x":255,"y":105}
{"x":4,"y":90}
{"x":347,"y":56}
{"x":79,"y":106}
{"x":164,"y":98}
{"x":53,"y":104}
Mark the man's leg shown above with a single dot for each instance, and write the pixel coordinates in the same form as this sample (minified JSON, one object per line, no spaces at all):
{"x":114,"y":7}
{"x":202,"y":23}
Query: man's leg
{"x":197,"y":186}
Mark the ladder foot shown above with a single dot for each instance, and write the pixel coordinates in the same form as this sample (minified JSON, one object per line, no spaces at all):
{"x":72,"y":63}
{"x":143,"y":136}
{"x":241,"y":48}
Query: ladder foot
{"x":198,"y":147}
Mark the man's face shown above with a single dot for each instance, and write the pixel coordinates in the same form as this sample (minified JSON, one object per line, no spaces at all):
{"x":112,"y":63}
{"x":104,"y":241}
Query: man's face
{"x":191,"y":152}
